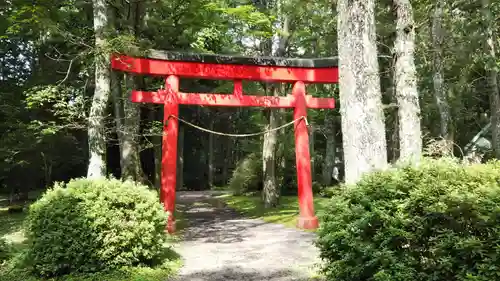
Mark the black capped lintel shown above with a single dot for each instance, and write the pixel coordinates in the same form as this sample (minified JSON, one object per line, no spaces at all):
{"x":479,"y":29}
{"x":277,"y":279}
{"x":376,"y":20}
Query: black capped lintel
{"x":329,"y":62}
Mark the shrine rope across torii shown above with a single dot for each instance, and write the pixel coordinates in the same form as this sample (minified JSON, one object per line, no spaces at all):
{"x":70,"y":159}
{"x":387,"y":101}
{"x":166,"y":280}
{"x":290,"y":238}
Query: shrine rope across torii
{"x":175,"y":65}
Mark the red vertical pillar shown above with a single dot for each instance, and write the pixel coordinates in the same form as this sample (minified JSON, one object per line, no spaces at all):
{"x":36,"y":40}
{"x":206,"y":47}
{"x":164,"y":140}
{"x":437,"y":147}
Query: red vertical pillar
{"x":307,"y":219}
{"x":169,"y":153}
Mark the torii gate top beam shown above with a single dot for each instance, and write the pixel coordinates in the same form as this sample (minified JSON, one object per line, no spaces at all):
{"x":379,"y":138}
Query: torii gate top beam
{"x":225,"y":67}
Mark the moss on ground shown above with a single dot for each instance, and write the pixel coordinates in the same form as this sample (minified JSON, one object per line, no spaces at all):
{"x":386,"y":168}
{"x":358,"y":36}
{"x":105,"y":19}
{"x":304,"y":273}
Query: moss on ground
{"x":286,"y":213}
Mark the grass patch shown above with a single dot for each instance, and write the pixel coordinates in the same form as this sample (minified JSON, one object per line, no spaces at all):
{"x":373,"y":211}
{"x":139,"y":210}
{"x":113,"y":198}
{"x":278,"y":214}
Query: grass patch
{"x":11,"y":229}
{"x":286,"y":213}
{"x":180,"y":224}
{"x":126,"y":274}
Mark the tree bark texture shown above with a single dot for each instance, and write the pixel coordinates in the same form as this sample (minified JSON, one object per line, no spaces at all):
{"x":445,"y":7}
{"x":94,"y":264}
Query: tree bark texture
{"x":130,"y":130}
{"x":363,"y":126}
{"x":116,"y":93}
{"x":129,"y":136}
{"x":97,"y":116}
{"x":158,"y":149}
{"x":392,"y":122}
{"x":438,"y":75}
{"x":271,"y":192}
{"x":312,"y":149}
{"x":211,"y":155}
{"x":329,"y":161}
{"x":405,"y":81}
{"x":228,"y":159}
{"x":492,"y":70}
{"x":180,"y":159}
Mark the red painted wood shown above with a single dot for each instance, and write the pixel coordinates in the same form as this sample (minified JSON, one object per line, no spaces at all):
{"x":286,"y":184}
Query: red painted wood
{"x":169,"y":153}
{"x":232,"y":100}
{"x":224,"y":71}
{"x":238,"y":88}
{"x":318,"y":103}
{"x":148,"y":97}
{"x":216,"y":99}
{"x":171,"y":98}
{"x":307,"y":219}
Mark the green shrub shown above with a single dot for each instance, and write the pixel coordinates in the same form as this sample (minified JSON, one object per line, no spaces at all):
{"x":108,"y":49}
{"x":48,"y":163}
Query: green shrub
{"x":4,"y":250}
{"x":247,"y":175}
{"x":92,"y":225}
{"x":316,"y":187}
{"x":440,"y":221}
{"x":329,"y":191}
{"x":15,"y":209}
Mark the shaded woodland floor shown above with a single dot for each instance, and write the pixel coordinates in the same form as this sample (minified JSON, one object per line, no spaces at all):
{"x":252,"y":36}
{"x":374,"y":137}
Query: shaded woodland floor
{"x":220,"y":244}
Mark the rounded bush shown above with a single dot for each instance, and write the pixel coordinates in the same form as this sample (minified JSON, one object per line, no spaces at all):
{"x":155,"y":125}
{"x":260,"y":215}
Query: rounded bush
{"x":247,"y":175}
{"x":91,"y":225}
{"x":437,"y":221}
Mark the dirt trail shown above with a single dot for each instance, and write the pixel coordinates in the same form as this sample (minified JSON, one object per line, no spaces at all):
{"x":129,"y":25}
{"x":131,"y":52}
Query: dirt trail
{"x":219,"y":244}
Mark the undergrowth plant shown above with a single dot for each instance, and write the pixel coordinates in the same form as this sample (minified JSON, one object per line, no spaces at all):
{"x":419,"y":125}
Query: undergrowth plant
{"x":93,"y":225}
{"x":436,"y":221}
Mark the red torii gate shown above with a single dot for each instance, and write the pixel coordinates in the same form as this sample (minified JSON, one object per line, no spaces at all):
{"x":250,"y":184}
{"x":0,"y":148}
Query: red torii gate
{"x":173,"y":65}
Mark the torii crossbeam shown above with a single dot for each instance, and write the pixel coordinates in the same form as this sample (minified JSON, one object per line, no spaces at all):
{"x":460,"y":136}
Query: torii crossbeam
{"x":173,"y":66}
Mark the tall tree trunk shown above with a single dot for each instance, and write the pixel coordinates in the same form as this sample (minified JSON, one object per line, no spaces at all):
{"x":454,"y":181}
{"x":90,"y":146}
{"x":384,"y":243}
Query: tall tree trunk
{"x":363,"y":126}
{"x":281,"y":151}
{"x":128,"y":136}
{"x":130,"y":144}
{"x":312,"y":141}
{"x":393,"y":124}
{"x":271,"y":190}
{"x":116,"y":93}
{"x":211,"y":156}
{"x":283,"y":176}
{"x":438,"y":75}
{"x":157,"y":140}
{"x":132,"y":168}
{"x":329,"y":161}
{"x":490,"y":41}
{"x":405,"y":80}
{"x":228,"y":160}
{"x":97,"y":116}
{"x":180,"y":159}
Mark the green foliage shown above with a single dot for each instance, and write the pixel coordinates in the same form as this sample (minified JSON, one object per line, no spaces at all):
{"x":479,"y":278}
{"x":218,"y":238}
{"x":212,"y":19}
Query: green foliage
{"x":4,"y":250}
{"x":316,"y":187}
{"x":246,"y":176}
{"x":48,"y":63}
{"x":246,"y":19}
{"x":67,"y":104}
{"x":160,"y":273}
{"x":329,"y":191}
{"x":285,"y":213}
{"x":439,"y":221}
{"x":15,"y":209}
{"x":91,"y":225}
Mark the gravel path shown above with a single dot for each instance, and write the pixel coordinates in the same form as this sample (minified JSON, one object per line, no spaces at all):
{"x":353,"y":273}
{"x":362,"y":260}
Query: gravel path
{"x":219,"y":244}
